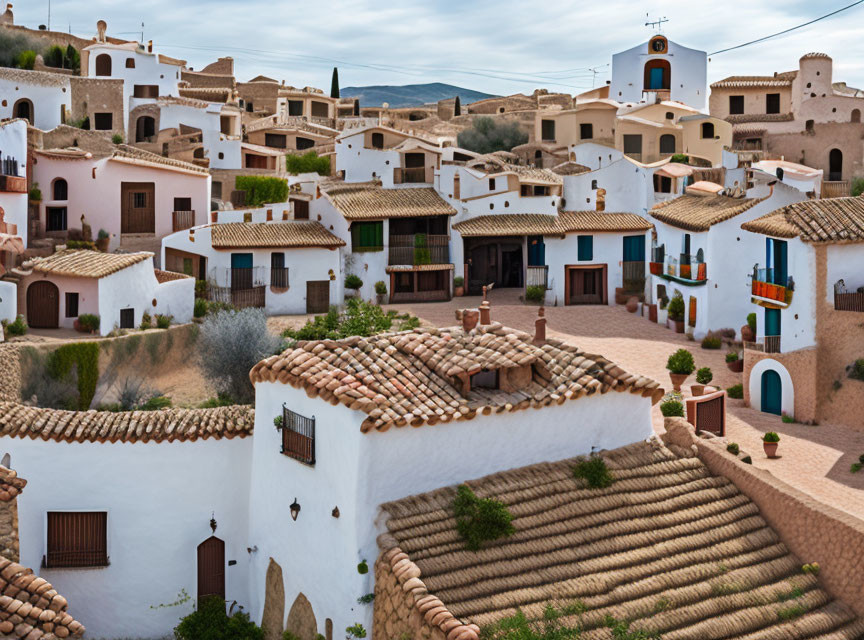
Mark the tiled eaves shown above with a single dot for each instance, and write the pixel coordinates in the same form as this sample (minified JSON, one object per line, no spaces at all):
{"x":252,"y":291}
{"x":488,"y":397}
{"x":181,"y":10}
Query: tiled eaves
{"x":10,"y":484}
{"x":167,"y":425}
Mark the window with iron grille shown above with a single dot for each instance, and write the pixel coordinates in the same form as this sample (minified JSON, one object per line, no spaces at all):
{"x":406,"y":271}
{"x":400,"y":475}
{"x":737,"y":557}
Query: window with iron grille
{"x":77,"y":539}
{"x":367,"y":236}
{"x":298,"y":436}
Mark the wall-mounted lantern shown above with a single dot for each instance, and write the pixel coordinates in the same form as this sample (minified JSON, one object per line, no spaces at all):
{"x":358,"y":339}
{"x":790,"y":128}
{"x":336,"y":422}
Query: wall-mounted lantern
{"x":295,"y":509}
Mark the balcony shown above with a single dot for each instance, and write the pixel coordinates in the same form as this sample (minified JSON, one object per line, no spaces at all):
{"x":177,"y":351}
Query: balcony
{"x":537,"y":276}
{"x":408,"y":249}
{"x":764,"y":289}
{"x":835,"y":189}
{"x":414,"y":175}
{"x":769,"y":344}
{"x":848,"y":301}
{"x":182,"y":220}
{"x":685,"y":269}
{"x":246,"y":286}
{"x":13,"y":184}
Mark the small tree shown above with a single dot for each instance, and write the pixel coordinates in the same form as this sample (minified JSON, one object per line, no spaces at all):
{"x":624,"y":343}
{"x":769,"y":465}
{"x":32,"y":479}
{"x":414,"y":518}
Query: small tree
{"x":309,"y":162}
{"x":486,"y":136}
{"x":480,"y":519}
{"x":457,"y":107}
{"x":210,"y":622}
{"x":681,"y":362}
{"x":230,"y":344}
{"x":334,"y":84}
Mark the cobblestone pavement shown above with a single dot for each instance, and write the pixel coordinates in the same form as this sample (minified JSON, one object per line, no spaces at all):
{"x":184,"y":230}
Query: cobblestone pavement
{"x":815,"y":459}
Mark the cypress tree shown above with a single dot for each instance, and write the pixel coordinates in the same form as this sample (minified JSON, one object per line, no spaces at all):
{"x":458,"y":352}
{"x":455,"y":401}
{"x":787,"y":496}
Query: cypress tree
{"x":334,"y":84}
{"x":357,"y":107}
{"x":457,"y":107}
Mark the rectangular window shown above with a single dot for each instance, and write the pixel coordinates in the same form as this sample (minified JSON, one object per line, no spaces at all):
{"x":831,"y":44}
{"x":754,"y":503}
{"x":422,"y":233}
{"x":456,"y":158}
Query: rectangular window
{"x":772,"y":103}
{"x":295,"y":107}
{"x":585,"y":248}
{"x":55,"y":218}
{"x":187,"y":266}
{"x":71,"y":305}
{"x":139,"y":199}
{"x":367,"y":236}
{"x":278,"y":271}
{"x":632,"y":143}
{"x":547,"y":129}
{"x":298,"y":436}
{"x":103,"y":121}
{"x":491,"y":184}
{"x":586,"y":131}
{"x":301,"y":209}
{"x":77,"y":539}
{"x":319,"y":109}
{"x":145,"y":91}
{"x":127,"y":318}
{"x":216,"y":190}
{"x":183,"y":204}
{"x":276,"y":140}
{"x":736,"y":105}
{"x":485,"y":379}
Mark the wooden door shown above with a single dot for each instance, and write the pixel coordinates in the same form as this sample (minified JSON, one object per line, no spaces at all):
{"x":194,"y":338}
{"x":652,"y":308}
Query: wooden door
{"x":137,"y":207}
{"x":692,"y":312}
{"x":586,"y":286}
{"x":211,"y":568}
{"x":317,"y":296}
{"x":43,"y":305}
{"x":772,"y":392}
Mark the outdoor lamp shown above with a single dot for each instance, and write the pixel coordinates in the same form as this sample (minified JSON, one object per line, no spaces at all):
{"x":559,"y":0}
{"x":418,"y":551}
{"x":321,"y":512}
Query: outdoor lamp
{"x":295,"y":509}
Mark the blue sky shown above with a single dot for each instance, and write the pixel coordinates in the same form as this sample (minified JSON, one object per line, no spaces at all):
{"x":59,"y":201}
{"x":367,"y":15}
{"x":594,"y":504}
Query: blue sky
{"x":499,"y":47}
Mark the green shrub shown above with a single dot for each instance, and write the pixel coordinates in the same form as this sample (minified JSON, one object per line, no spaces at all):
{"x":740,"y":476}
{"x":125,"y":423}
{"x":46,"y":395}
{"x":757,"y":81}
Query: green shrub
{"x":812,"y":568}
{"x":89,"y":322}
{"x":117,"y":138}
{"x":11,"y":46}
{"x":771,"y":436}
{"x":163,"y":321}
{"x":857,"y":186}
{"x":210,"y":622}
{"x":856,"y":370}
{"x":458,"y":281}
{"x":26,"y":59}
{"x":672,"y":409}
{"x":262,"y":189}
{"x":704,"y":375}
{"x":360,"y":318}
{"x":676,"y":308}
{"x":221,"y":400}
{"x":733,"y":448}
{"x":155,"y":403}
{"x":712,"y":342}
{"x":747,"y":460}
{"x":83,"y":359}
{"x":535,"y":293}
{"x":102,"y":235}
{"x":621,"y":630}
{"x":679,"y":157}
{"x":751,"y":322}
{"x":362,"y":567}
{"x":736,"y":391}
{"x":550,"y":627}
{"x":18,"y":327}
{"x":366,"y":599}
{"x":356,"y":630}
{"x":479,"y":520}
{"x":200,"y":308}
{"x":309,"y":162}
{"x":681,"y":362}
{"x":353,"y":281}
{"x":595,"y":472}
{"x":787,"y":419}
{"x":487,"y":136}
{"x":61,"y":58}
{"x":287,"y":635}
{"x":380,"y":288}
{"x":35,"y":194}
{"x":146,"y":321}
{"x":80,"y":244}
{"x":732,"y":356}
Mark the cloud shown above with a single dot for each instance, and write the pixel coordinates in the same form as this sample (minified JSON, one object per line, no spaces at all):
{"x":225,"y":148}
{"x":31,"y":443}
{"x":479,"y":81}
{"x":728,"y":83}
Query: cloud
{"x":499,"y":47}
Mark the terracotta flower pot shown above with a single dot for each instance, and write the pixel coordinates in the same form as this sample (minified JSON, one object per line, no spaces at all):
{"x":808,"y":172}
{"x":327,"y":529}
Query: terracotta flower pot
{"x":458,"y":291}
{"x":652,"y":312}
{"x":677,"y":380}
{"x":770,"y":449}
{"x":737,"y":366}
{"x":679,"y":326}
{"x":102,"y":244}
{"x":697,"y":389}
{"x":747,"y":334}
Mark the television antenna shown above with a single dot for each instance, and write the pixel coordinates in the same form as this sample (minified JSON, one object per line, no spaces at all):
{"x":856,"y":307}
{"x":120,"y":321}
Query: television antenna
{"x":657,"y":24}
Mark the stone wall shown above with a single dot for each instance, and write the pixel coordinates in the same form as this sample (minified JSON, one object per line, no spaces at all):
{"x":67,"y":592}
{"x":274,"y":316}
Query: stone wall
{"x":812,"y":149}
{"x":9,"y":547}
{"x":96,"y":142}
{"x":98,"y":95}
{"x":813,"y":531}
{"x":801,"y":365}
{"x":395,"y":617}
{"x":10,"y":373}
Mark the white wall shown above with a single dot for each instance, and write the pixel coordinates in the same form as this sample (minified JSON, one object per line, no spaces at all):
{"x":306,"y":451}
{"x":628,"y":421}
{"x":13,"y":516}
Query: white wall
{"x":13,"y":144}
{"x":688,"y":80}
{"x":159,"y":498}
{"x":629,"y":188}
{"x":845,"y":262}
{"x":8,"y":301}
{"x":48,"y":92}
{"x":175,"y":298}
{"x":787,"y":395}
{"x":361,"y":164}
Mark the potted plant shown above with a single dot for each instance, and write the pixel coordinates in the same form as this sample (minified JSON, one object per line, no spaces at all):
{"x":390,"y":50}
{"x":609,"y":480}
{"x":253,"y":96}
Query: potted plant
{"x":676,"y":312}
{"x":748,"y":331}
{"x":381,"y":292}
{"x":662,"y":310}
{"x":703,"y":377}
{"x":734,"y":362}
{"x":458,"y":286}
{"x":102,"y":240}
{"x":352,"y":283}
{"x":680,"y":365}
{"x":86,"y":323}
{"x":35,"y":195}
{"x":770,"y":441}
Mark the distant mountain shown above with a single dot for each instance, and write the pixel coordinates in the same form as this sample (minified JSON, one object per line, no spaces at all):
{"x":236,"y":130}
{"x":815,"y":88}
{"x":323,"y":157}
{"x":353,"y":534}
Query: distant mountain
{"x":411,"y":95}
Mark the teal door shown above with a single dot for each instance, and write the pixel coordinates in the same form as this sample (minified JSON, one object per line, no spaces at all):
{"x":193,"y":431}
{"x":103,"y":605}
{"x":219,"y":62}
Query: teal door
{"x":536,"y":251}
{"x":634,"y":248}
{"x":772,"y":392}
{"x":241,"y":260}
{"x":656,"y":78}
{"x":772,"y":322}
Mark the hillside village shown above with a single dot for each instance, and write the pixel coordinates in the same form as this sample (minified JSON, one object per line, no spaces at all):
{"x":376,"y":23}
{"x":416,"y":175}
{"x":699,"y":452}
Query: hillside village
{"x":298,"y":367}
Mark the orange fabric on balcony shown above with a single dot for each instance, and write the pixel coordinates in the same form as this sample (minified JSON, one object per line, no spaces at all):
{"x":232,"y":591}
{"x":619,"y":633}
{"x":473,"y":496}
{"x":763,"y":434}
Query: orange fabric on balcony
{"x":701,"y":272}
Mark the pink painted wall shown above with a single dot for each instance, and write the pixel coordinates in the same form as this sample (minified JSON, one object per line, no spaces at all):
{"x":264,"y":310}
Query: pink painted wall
{"x":87,"y":289}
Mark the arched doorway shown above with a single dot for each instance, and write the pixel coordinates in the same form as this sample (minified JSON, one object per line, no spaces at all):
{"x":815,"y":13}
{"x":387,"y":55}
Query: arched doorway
{"x":23,"y":109}
{"x":60,"y":189}
{"x":658,"y":75}
{"x":772,"y":392}
{"x":667,"y":144}
{"x":211,"y":568}
{"x":856,"y":115}
{"x":835,"y":165}
{"x":43,"y":305}
{"x":145,"y":129}
{"x":103,"y":64}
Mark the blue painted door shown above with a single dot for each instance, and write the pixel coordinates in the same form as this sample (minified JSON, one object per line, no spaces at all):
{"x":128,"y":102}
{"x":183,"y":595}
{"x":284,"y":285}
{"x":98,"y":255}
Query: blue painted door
{"x":536,"y":251}
{"x":241,"y":260}
{"x":772,"y":322}
{"x":781,"y":268}
{"x":656,"y":78}
{"x":772,"y":392}
{"x":634,"y":248}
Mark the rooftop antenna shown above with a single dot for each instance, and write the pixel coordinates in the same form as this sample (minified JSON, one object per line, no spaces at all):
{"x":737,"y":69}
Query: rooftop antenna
{"x":49,"y":15}
{"x":657,"y":24}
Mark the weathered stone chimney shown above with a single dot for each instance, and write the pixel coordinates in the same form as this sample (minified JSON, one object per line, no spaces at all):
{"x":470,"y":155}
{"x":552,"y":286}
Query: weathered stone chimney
{"x":469,"y":319}
{"x":540,"y":327}
{"x":10,"y":486}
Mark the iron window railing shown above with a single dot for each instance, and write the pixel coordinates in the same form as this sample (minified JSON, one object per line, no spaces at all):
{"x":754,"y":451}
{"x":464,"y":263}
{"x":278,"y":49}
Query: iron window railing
{"x":279,"y":277}
{"x":298,"y":436}
{"x":77,"y":539}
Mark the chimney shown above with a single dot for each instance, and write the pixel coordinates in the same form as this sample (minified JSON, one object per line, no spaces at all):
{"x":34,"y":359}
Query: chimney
{"x":540,"y":327}
{"x":10,"y":486}
{"x":469,"y":319}
{"x":485,"y":316}
{"x":149,"y":46}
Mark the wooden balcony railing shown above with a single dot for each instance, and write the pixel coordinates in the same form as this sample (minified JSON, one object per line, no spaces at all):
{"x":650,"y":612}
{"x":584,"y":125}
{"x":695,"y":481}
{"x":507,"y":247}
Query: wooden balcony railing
{"x":849,"y":301}
{"x":183,"y":220}
{"x":13,"y":184}
{"x":404,"y":250}
{"x":279,"y":277}
{"x":772,"y":344}
{"x":835,"y":188}
{"x":537,"y":276}
{"x":413,"y":175}
{"x":633,"y":275}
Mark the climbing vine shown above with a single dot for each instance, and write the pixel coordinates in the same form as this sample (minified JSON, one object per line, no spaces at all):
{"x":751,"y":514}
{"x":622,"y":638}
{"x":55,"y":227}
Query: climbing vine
{"x":84,"y":357}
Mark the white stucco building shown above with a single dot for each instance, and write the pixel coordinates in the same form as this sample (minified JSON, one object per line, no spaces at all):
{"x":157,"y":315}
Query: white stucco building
{"x":42,"y":98}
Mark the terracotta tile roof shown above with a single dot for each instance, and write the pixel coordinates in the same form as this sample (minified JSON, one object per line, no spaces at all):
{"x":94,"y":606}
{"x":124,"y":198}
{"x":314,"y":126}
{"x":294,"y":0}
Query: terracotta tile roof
{"x":570,"y":168}
{"x":210,"y":94}
{"x":10,"y":484}
{"x":783,"y":79}
{"x":492,"y":165}
{"x":369,"y":201}
{"x":520,"y":224}
{"x":830,"y":220}
{"x":168,"y":276}
{"x":699,"y":213}
{"x":294,"y":234}
{"x":167,"y":425}
{"x":416,"y":377}
{"x":657,"y":534}
{"x":84,"y":263}
{"x":40,"y":78}
{"x":30,"y":608}
{"x":746,"y":118}
{"x":126,"y":153}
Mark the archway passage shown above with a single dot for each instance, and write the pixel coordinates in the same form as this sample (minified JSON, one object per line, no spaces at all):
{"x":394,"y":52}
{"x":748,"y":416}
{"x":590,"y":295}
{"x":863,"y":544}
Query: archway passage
{"x":667,"y":143}
{"x":211,"y":568}
{"x":145,"y":129}
{"x":103,"y":64}
{"x":835,"y":165}
{"x":43,"y":305}
{"x":23,"y":109}
{"x":658,"y":75}
{"x":772,"y":392}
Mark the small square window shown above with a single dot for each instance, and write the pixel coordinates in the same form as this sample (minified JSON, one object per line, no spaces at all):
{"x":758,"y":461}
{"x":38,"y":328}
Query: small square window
{"x":736,"y":105}
{"x":585,"y":248}
{"x":127,"y":318}
{"x":71,"y":305}
{"x":139,"y":200}
{"x":130,"y":63}
{"x":103,"y":121}
{"x":586,"y":131}
{"x":491,"y":184}
{"x":77,"y":539}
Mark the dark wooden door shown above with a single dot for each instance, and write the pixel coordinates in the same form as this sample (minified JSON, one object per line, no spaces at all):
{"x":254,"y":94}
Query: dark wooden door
{"x":43,"y":305}
{"x":137,"y":207}
{"x":586,"y":286}
{"x":317,"y":296}
{"x":211,"y":568}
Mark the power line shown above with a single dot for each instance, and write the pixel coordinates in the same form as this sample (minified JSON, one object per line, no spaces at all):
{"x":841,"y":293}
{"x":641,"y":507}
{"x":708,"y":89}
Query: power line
{"x":785,"y":31}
